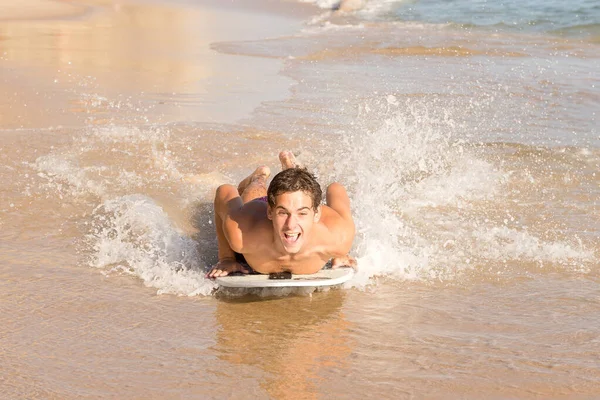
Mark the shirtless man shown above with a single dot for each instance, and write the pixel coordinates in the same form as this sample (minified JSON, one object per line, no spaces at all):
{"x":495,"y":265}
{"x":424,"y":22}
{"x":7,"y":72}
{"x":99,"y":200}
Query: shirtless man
{"x":284,"y":229}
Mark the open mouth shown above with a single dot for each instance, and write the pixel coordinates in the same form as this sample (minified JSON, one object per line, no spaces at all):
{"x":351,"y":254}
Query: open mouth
{"x":291,"y":238}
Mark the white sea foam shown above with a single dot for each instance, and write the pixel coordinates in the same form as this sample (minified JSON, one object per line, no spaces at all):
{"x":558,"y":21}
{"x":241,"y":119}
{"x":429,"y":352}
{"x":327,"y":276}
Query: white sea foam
{"x":152,"y":140}
{"x":92,"y":166}
{"x":66,"y":177}
{"x":367,"y":7}
{"x":321,"y":24}
{"x":133,"y":235}
{"x":421,"y":198}
{"x":462,"y":184}
{"x":387,"y":161}
{"x":327,"y":4}
{"x":504,"y":243}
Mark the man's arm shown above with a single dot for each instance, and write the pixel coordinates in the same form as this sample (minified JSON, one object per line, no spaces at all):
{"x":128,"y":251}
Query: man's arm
{"x":227,"y":202}
{"x":337,"y":199}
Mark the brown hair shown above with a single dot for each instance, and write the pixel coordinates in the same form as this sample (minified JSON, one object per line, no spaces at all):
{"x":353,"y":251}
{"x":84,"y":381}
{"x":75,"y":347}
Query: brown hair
{"x":294,"y":180}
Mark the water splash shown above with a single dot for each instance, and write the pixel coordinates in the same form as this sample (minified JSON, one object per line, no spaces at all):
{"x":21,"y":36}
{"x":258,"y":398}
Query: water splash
{"x":133,"y":235}
{"x":426,"y":202}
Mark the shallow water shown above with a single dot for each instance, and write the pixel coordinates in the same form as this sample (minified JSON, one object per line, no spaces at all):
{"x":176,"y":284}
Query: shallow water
{"x":471,"y":155}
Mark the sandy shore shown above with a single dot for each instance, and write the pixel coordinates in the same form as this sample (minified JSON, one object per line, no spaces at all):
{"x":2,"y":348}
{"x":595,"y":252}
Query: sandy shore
{"x":39,"y":9}
{"x":54,"y":9}
{"x":477,"y":244}
{"x":159,"y":53}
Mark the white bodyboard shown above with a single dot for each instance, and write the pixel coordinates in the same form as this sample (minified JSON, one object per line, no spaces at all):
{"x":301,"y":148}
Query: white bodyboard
{"x":325,"y":277}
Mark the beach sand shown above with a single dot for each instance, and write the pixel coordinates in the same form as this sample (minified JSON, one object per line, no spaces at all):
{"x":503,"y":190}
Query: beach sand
{"x":27,"y":10}
{"x":161,"y":54}
{"x":67,"y":67}
{"x":477,"y":241}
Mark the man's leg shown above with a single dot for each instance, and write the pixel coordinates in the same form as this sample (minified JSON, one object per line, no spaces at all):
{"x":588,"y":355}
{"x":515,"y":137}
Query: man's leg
{"x":255,"y":185}
{"x":288,"y":160}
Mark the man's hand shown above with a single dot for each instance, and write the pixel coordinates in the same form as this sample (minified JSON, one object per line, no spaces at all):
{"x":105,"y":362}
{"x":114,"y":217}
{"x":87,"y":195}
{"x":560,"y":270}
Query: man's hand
{"x":346,"y":261}
{"x":225,"y":267}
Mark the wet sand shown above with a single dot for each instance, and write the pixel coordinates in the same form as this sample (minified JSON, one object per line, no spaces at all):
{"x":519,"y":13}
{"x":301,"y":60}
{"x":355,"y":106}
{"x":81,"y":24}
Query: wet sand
{"x":28,"y":10}
{"x":157,"y":53}
{"x":69,"y":331}
{"x":119,"y":119}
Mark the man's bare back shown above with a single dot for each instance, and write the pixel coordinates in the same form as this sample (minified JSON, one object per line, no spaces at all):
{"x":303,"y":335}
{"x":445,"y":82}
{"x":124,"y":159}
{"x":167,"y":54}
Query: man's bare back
{"x":286,"y":230}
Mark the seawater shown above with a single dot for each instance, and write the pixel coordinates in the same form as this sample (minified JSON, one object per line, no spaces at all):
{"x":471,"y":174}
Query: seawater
{"x":466,"y":133}
{"x":458,"y":142}
{"x":580,"y":18}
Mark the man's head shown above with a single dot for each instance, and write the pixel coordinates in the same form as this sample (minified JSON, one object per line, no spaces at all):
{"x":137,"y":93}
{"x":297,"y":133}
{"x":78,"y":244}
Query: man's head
{"x":294,"y":198}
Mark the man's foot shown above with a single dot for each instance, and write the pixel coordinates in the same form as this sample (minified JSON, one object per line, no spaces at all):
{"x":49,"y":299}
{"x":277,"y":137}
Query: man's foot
{"x":261,"y":173}
{"x":287,"y":160}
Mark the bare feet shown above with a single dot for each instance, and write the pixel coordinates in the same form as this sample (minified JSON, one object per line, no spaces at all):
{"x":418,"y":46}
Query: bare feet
{"x":261,"y":175}
{"x":287,"y":160}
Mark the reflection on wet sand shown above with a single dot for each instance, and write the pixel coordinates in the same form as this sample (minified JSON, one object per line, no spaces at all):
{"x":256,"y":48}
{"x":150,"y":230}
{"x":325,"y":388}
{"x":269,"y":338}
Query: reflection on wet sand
{"x":161,"y":52}
{"x":39,"y":9}
{"x":292,"y":340}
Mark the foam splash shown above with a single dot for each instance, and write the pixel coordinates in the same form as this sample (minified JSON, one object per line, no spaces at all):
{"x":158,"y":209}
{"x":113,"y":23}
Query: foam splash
{"x":152,"y":140}
{"x":388,"y":160}
{"x":133,"y":235}
{"x":373,"y":9}
{"x":326,"y":4}
{"x":320,"y":24}
{"x":67,"y":177}
{"x":504,"y":243}
{"x":423,"y":199}
{"x":101,"y":162}
{"x":363,"y":7}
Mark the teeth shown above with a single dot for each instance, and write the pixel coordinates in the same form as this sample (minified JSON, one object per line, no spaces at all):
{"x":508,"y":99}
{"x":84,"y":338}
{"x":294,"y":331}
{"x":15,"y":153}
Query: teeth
{"x":292,"y":236}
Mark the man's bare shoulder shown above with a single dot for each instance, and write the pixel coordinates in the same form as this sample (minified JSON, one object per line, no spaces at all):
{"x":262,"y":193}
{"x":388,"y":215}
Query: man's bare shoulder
{"x":337,"y":233}
{"x":334,"y":220}
{"x":249,"y":225}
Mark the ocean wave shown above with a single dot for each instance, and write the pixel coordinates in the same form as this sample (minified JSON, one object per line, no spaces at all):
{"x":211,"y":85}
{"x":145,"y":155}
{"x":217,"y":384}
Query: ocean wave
{"x":578,"y":18}
{"x":341,"y":53}
{"x":590,"y":30}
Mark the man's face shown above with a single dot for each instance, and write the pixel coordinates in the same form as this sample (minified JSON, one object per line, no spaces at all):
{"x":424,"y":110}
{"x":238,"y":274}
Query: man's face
{"x":293,"y":219}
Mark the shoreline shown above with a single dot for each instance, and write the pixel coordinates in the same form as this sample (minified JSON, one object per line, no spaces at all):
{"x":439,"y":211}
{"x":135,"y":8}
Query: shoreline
{"x":174,"y":73}
{"x":36,"y":10}
{"x":473,"y":194}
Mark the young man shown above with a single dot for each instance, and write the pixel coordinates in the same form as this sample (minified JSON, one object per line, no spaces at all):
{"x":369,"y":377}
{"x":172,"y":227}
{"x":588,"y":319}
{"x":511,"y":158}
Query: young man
{"x":284,"y":229}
